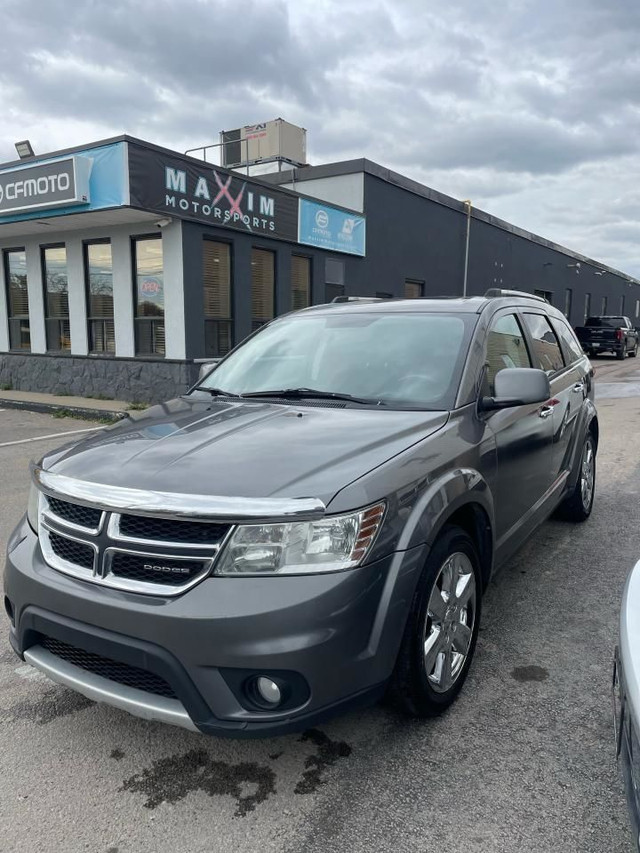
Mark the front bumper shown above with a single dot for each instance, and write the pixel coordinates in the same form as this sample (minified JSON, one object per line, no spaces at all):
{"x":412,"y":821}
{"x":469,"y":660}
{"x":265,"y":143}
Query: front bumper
{"x":333,"y":637}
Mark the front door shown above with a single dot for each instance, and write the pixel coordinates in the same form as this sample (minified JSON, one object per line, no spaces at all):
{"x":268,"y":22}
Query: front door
{"x":523,"y":434}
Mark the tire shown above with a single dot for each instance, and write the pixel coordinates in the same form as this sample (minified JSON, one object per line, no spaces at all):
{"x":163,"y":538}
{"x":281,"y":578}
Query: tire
{"x":425,"y":683}
{"x":634,"y":351}
{"x":577,"y":507}
{"x":622,"y":353}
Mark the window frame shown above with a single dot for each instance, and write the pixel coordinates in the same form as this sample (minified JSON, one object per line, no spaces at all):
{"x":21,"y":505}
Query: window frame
{"x":569,"y":358}
{"x":153,"y":321}
{"x":309,"y":259}
{"x":255,"y":322}
{"x":499,"y":315}
{"x":90,"y":319}
{"x":45,"y":295}
{"x":5,"y":265}
{"x":207,"y":319}
{"x":532,"y":350}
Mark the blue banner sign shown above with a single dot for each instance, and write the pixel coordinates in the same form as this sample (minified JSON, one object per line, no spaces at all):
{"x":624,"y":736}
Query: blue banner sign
{"x":328,"y":227}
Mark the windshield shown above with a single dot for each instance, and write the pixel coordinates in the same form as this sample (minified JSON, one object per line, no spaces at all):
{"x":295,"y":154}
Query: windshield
{"x":396,"y":359}
{"x":606,"y":322}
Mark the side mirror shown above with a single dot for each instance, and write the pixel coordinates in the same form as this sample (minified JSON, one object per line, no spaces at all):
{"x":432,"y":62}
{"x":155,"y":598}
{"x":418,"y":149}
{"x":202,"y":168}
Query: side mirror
{"x":517,"y":386}
{"x":207,"y":367}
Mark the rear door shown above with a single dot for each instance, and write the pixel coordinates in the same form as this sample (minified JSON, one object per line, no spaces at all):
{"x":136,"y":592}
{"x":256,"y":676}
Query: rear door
{"x":568,"y":388}
{"x":523,"y":434}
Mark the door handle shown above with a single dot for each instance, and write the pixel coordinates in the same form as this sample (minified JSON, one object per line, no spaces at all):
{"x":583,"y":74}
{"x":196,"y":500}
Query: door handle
{"x":545,"y":411}
{"x":579,"y":386}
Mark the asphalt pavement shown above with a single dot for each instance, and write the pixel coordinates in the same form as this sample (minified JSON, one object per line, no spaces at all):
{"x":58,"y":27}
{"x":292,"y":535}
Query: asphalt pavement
{"x":522,"y":763}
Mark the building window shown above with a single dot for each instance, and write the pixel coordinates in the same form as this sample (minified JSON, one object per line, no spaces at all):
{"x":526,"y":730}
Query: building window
{"x":568,"y":295}
{"x":216,"y":279}
{"x":149,"y":284}
{"x":587,"y":305}
{"x":15,"y":265}
{"x":545,"y":294}
{"x":98,"y":266}
{"x":334,"y":271}
{"x":263,"y":276}
{"x":413,"y":289}
{"x":56,"y":298}
{"x":637,"y":307}
{"x":332,"y":291}
{"x":604,"y":305}
{"x":300,"y":282}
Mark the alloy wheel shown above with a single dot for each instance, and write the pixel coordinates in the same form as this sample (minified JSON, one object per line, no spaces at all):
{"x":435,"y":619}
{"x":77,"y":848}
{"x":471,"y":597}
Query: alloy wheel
{"x":449,"y":623}
{"x":587,"y":475}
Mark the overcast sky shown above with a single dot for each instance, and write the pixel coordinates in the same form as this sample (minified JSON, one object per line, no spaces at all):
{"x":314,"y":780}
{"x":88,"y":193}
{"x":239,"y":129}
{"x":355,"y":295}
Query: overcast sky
{"x":530,"y":109}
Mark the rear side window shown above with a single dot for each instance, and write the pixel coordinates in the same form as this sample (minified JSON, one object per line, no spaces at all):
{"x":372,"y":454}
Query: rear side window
{"x":506,"y":347}
{"x":605,"y":322}
{"x":546,"y":350}
{"x":572,"y":348}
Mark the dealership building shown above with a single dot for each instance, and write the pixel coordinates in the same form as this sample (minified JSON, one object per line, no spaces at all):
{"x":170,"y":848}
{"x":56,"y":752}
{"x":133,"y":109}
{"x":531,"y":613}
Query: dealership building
{"x":124,"y":265}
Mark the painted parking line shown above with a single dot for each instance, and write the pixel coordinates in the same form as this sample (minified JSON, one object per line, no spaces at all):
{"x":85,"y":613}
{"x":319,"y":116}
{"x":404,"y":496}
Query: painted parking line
{"x":52,"y":435}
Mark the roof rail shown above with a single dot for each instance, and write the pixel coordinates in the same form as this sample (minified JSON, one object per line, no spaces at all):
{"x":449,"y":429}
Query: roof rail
{"x":359,"y":299}
{"x":496,"y":292}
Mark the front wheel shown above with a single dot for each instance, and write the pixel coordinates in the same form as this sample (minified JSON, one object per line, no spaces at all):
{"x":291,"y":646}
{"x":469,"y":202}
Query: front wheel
{"x":442,"y":628}
{"x":578,"y":506}
{"x":634,"y":351}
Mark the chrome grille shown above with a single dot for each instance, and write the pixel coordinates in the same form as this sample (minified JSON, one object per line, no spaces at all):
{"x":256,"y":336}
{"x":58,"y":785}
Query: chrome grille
{"x":142,"y":554}
{"x":170,"y":530}
{"x":81,"y":516}
{"x":150,"y":569}
{"x":72,"y":551}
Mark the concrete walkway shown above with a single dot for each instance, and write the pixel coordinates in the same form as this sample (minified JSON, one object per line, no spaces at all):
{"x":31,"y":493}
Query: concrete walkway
{"x":85,"y":406}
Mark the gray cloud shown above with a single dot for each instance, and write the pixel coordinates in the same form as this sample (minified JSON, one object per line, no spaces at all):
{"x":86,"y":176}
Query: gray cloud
{"x":532,"y":109}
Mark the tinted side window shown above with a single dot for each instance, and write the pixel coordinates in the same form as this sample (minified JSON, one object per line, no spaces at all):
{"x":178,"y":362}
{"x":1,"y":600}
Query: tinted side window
{"x":506,"y":347}
{"x":546,"y":349}
{"x":572,"y":348}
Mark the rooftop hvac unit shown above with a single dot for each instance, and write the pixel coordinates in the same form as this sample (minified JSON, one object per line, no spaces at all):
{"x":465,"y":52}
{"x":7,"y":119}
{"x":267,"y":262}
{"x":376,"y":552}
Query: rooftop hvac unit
{"x":269,"y":141}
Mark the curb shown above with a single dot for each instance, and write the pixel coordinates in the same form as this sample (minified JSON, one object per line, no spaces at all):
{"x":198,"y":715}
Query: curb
{"x":51,"y":408}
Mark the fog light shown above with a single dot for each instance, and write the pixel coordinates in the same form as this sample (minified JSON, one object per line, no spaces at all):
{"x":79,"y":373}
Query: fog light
{"x":268,"y":691}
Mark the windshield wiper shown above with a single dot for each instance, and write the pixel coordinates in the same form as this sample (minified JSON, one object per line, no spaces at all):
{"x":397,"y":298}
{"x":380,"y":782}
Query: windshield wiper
{"x":299,"y":393}
{"x":216,"y":392}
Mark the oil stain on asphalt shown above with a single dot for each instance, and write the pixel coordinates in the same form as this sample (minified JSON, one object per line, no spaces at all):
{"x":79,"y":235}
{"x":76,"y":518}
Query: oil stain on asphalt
{"x":171,"y":779}
{"x":530,"y":673}
{"x":329,"y":751}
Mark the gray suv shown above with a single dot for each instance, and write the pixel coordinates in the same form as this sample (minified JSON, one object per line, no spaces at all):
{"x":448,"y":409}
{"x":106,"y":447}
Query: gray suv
{"x":314,"y":524}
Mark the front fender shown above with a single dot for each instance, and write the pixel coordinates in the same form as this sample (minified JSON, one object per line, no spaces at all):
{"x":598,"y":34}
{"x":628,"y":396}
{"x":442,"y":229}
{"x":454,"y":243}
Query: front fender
{"x":441,"y":499}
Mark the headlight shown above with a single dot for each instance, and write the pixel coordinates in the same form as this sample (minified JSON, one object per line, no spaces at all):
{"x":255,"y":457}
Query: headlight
{"x":302,"y":547}
{"x":33,"y":508}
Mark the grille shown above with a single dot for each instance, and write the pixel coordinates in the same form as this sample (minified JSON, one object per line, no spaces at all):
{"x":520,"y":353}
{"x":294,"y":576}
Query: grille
{"x":123,"y":673}
{"x":81,"y":515}
{"x":131,"y":566}
{"x":72,"y":551}
{"x":166,"y":529}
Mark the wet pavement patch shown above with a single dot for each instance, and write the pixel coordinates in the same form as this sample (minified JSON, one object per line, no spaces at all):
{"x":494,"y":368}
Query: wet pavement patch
{"x":530,"y":673}
{"x":116,"y":753}
{"x":171,"y":779}
{"x":49,"y":706}
{"x":329,"y":751}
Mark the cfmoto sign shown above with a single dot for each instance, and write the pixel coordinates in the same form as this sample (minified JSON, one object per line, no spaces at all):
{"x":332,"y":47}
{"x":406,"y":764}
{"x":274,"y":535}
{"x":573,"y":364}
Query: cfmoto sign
{"x":41,"y":185}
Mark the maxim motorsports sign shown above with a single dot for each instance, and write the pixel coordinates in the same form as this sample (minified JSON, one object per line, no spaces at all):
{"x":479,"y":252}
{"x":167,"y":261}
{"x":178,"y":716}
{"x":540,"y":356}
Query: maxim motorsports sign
{"x":206,"y":193}
{"x":43,"y":185}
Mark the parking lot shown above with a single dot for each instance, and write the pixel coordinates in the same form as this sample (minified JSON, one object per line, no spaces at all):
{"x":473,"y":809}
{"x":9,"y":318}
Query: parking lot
{"x":524,"y":761}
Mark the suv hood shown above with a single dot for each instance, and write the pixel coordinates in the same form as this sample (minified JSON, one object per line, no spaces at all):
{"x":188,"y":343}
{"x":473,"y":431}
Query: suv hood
{"x":245,"y":448}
